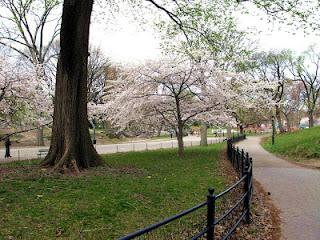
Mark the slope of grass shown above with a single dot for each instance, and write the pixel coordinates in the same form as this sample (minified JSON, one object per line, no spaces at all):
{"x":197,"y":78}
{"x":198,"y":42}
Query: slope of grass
{"x":141,"y":188}
{"x":300,"y":145}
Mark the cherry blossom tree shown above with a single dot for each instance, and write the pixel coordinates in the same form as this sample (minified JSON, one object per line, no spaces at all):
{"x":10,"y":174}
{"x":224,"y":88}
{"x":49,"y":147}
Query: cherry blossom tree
{"x":29,"y":29}
{"x":210,"y":31}
{"x":24,"y":101}
{"x":272,"y":67}
{"x":178,"y":92}
{"x":292,"y":103}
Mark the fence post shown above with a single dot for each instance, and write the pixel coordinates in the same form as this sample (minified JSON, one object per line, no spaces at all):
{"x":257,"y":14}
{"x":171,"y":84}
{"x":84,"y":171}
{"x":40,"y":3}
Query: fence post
{"x":238,"y":155}
{"x":247,"y":191}
{"x":233,"y":155}
{"x":251,"y":174}
{"x":211,"y":198}
{"x":242,"y":162}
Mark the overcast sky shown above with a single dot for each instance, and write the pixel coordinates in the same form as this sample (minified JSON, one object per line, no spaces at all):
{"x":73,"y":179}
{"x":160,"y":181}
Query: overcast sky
{"x":127,"y":42}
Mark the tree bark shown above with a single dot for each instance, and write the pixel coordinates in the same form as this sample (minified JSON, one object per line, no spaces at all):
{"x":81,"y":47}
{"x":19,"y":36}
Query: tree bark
{"x":288,"y":123}
{"x":241,"y":129}
{"x":71,"y":145}
{"x":311,"y":120}
{"x":229,"y":135}
{"x":278,"y":116}
{"x":40,"y":139}
{"x":204,"y":134}
{"x":179,"y":135}
{"x":159,"y":130}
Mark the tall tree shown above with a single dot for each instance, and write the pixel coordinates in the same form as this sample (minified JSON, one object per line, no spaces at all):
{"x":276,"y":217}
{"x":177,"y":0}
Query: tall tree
{"x":209,"y":32}
{"x":71,"y":146}
{"x":306,"y":69}
{"x":292,"y":104}
{"x":98,"y":66}
{"x":272,"y":67}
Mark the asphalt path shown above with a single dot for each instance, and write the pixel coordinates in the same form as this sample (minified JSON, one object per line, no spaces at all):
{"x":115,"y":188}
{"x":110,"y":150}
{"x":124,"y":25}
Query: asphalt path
{"x":294,"y":190}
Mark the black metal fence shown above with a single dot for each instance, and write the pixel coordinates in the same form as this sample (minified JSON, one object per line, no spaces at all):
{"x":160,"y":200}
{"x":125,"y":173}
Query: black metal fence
{"x":235,"y":212}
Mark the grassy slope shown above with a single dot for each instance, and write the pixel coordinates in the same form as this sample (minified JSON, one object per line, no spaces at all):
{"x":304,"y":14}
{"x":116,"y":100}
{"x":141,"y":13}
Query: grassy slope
{"x":300,"y":145}
{"x":142,"y":187}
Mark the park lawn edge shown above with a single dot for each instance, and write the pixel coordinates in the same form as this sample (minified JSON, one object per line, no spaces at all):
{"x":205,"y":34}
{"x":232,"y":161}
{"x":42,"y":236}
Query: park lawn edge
{"x":301,"y":147}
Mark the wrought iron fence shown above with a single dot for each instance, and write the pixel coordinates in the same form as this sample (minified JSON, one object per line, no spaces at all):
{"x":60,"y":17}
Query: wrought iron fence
{"x":215,"y":213}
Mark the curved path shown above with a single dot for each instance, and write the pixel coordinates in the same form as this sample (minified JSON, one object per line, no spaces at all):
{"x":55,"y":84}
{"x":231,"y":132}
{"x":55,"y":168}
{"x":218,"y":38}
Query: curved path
{"x":294,"y":190}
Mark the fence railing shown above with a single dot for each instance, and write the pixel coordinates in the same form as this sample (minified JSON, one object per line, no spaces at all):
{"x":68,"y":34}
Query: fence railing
{"x":32,"y":153}
{"x":240,"y":210}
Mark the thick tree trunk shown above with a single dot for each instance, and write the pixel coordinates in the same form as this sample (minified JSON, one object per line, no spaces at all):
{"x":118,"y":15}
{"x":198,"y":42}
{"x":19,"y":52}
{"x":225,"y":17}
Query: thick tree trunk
{"x":204,"y":134}
{"x":71,"y":146}
{"x":40,"y":140}
{"x":179,"y":135}
{"x":311,"y":120}
{"x":278,"y":116}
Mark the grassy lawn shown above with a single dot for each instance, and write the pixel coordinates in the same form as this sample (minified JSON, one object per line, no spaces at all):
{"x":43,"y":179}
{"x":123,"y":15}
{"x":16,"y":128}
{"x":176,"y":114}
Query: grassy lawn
{"x":141,"y":188}
{"x":300,"y":146}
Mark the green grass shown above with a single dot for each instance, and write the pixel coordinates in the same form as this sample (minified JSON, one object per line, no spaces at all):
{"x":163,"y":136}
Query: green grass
{"x":301,"y":145}
{"x":140,"y":189}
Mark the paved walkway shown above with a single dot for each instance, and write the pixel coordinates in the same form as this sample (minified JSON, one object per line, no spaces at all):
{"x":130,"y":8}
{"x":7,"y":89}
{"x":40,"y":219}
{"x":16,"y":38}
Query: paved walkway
{"x":27,"y":153}
{"x":295,"y":191}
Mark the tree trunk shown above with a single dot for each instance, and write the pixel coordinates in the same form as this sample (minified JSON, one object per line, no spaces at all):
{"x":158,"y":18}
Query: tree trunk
{"x":40,"y":140}
{"x":229,"y":135}
{"x":278,"y":116}
{"x":71,"y":146}
{"x":179,"y":135}
{"x":241,"y":129}
{"x":311,"y":120}
{"x":204,"y":134}
{"x":159,"y":130}
{"x":288,"y":123}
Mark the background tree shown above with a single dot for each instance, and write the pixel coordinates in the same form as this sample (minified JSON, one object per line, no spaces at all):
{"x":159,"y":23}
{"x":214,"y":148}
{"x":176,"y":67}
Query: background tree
{"x":25,"y":28}
{"x":175,"y":92}
{"x":209,"y":32}
{"x":98,"y":66}
{"x":305,"y":69}
{"x":21,"y":101}
{"x":292,"y":105}
{"x":272,"y":67}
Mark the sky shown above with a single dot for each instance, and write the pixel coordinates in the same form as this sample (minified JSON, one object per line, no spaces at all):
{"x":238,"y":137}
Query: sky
{"x":128,"y":42}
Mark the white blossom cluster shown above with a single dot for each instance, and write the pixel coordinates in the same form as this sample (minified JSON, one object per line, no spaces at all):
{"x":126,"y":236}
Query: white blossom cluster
{"x":179,"y":92}
{"x":24,"y":99}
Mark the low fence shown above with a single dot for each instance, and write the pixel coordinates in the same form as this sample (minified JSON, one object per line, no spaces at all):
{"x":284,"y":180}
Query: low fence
{"x":33,"y":153}
{"x":215,"y":215}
